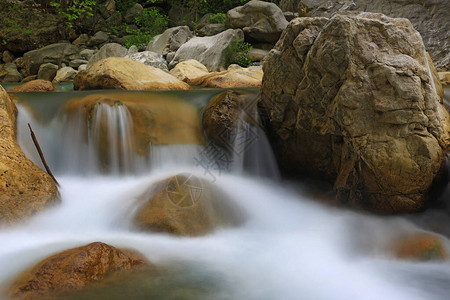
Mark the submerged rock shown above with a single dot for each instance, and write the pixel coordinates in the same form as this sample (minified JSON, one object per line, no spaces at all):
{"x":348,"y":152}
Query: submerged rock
{"x":185,"y":205}
{"x":37,"y":85}
{"x":422,"y":247}
{"x":234,"y":77}
{"x":73,"y":270}
{"x":24,"y":188}
{"x":126,"y":74}
{"x":362,"y":112}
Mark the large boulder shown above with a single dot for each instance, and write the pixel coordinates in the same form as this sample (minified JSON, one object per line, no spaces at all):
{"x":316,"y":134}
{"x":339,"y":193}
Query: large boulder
{"x":189,"y":70}
{"x":170,"y":40}
{"x":24,"y":188}
{"x":260,"y":21}
{"x":33,"y":86}
{"x":209,"y":50}
{"x":148,"y":119}
{"x":234,"y":77}
{"x":126,"y":74}
{"x":429,"y":18}
{"x":351,"y":99}
{"x":55,"y":53}
{"x":108,"y":50}
{"x":149,"y":58}
{"x":9,"y":73}
{"x":73,"y":270}
{"x":185,"y":205}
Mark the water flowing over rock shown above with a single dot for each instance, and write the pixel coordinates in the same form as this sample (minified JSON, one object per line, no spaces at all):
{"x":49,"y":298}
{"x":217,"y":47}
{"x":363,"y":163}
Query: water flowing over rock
{"x":170,"y":40}
{"x":422,"y":247}
{"x":185,"y":205}
{"x":33,"y":86}
{"x":119,"y":129}
{"x":24,"y":188}
{"x":125,"y":74}
{"x":429,"y":18}
{"x":55,"y":53}
{"x":260,"y":21}
{"x":234,"y":77}
{"x":74,"y":269}
{"x":207,"y":50}
{"x":351,"y":99}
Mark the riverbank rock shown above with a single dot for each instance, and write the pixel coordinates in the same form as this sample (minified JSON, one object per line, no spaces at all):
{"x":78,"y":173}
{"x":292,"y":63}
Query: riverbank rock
{"x":184,"y":205}
{"x":444,"y":77}
{"x":125,"y":74}
{"x":149,"y":58}
{"x":170,"y":40}
{"x":9,"y":73}
{"x":260,"y":21}
{"x":189,"y":70}
{"x":24,"y":188}
{"x":361,"y":112}
{"x":223,"y":112}
{"x":234,"y":77}
{"x":423,"y":247}
{"x":207,"y":50}
{"x":55,"y":53}
{"x":74,"y":269}
{"x":47,"y":71}
{"x":37,"y":85}
{"x":108,"y":50}
{"x":429,"y":18}
{"x":65,"y":74}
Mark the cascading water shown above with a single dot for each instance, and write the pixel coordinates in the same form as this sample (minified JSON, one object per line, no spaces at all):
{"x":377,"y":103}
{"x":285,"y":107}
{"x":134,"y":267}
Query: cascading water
{"x":289,"y":247}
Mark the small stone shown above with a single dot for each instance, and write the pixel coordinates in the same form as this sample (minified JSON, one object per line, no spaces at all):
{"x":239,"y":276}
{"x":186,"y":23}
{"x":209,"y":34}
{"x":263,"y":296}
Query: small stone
{"x":98,"y":38}
{"x":47,"y":71}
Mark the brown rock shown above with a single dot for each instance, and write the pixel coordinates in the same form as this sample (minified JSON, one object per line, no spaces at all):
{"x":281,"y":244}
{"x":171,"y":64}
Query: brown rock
{"x":185,"y":205}
{"x":37,"y":85}
{"x":436,"y":82}
{"x":444,"y":77}
{"x":361,"y":112}
{"x":125,"y":74}
{"x":422,"y":247}
{"x":189,"y":70}
{"x":24,"y":188}
{"x":73,"y":270}
{"x":234,"y":77}
{"x":222,"y":113}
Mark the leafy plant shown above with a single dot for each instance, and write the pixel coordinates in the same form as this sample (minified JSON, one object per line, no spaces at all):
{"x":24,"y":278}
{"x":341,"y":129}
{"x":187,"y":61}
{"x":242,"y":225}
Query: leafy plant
{"x":124,"y":5}
{"x":74,"y":10}
{"x":237,"y":53}
{"x":151,"y":23}
{"x":218,"y":18}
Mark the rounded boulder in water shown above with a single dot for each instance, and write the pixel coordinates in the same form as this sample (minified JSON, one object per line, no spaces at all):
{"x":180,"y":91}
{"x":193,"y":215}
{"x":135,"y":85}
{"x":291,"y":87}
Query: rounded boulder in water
{"x":185,"y":205}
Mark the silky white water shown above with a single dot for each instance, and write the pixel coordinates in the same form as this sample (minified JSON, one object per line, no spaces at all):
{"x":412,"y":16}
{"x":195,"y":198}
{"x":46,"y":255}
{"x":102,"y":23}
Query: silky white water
{"x":289,"y":246}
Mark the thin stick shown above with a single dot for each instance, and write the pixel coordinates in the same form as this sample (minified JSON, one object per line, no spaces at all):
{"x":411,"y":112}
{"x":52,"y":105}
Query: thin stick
{"x":42,"y":155}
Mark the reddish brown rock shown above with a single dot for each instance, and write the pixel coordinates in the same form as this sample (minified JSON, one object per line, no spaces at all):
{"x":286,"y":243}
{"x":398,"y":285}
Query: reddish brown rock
{"x":73,"y":270}
{"x":24,"y":188}
{"x":422,"y":247}
{"x":37,"y":85}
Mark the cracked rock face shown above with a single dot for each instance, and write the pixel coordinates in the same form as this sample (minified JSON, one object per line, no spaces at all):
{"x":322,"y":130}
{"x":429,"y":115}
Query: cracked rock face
{"x":357,"y":105}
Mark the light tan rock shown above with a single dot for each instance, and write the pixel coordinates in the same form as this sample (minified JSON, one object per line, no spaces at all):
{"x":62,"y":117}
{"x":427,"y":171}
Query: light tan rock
{"x":189,"y":70}
{"x":361,"y":112}
{"x":185,"y":205}
{"x":444,"y":77}
{"x":234,"y":77}
{"x":74,"y":269}
{"x":65,"y":74}
{"x":125,"y":74}
{"x":37,"y":85}
{"x":24,"y":188}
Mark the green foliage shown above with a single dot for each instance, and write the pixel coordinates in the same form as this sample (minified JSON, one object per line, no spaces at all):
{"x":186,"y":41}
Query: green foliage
{"x":124,"y":5}
{"x":237,"y":53}
{"x":74,"y":10}
{"x":151,"y":23}
{"x":218,"y":18}
{"x":13,"y":25}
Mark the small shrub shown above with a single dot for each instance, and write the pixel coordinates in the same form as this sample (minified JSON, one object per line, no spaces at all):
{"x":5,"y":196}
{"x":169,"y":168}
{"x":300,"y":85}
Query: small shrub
{"x":151,"y":23}
{"x":237,"y":53}
{"x":218,"y":18}
{"x":74,"y":10}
